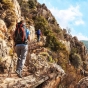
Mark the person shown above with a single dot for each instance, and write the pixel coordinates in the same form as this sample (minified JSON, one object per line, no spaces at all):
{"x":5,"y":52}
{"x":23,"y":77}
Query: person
{"x":21,"y":45}
{"x":38,"y":35}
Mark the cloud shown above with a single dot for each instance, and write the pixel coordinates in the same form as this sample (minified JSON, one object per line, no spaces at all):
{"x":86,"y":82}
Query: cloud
{"x":80,"y":36}
{"x":79,"y":22}
{"x":72,"y":15}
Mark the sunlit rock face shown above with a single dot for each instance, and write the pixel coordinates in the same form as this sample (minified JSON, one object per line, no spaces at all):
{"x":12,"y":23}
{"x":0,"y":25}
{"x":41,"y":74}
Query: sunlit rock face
{"x":67,"y":45}
{"x":83,"y":83}
{"x":32,"y":33}
{"x":17,"y":9}
{"x":3,"y":44}
{"x":3,"y":29}
{"x":8,"y":17}
{"x":43,"y":74}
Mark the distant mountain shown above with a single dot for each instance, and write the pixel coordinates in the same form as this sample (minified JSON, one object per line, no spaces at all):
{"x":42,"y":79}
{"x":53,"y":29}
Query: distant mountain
{"x":85,"y":43}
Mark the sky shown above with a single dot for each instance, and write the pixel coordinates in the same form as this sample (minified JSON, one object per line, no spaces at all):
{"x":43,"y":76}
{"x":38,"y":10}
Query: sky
{"x":71,"y":14}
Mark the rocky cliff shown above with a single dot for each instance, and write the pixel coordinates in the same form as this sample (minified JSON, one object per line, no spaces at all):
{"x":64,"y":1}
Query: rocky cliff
{"x":58,"y":55}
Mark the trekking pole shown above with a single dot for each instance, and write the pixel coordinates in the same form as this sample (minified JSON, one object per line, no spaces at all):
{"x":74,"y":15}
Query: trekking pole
{"x":9,"y":70}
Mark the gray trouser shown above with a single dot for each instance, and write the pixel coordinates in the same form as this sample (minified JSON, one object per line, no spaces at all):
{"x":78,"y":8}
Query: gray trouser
{"x":21,"y":51}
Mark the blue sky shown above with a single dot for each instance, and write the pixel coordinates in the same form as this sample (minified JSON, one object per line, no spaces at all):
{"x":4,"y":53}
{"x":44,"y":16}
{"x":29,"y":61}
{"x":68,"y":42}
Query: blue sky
{"x":71,"y":14}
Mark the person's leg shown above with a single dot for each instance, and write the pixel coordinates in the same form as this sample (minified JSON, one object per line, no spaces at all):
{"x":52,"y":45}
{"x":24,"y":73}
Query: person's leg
{"x":24,"y":50}
{"x":18,"y":52}
{"x":38,"y":38}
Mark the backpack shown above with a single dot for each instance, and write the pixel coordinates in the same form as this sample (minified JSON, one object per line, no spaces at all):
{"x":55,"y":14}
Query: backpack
{"x":38,"y":32}
{"x":20,"y":34}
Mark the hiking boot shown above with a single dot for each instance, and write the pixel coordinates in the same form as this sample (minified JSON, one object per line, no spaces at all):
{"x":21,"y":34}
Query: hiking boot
{"x":19,"y":73}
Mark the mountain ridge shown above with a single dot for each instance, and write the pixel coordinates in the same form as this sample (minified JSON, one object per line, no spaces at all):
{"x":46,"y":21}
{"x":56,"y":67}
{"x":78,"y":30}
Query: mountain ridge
{"x":64,"y":50}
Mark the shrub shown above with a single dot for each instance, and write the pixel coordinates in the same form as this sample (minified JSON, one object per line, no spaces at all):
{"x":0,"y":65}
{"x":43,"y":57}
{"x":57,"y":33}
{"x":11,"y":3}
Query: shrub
{"x":53,"y":43}
{"x":50,"y":59}
{"x":31,"y":4}
{"x":41,"y":23}
{"x":75,"y":60}
{"x":73,"y":50}
{"x":10,"y":19}
{"x":7,"y":4}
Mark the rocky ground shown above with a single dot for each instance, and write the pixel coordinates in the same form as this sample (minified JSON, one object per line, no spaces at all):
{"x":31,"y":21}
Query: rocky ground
{"x":38,"y":71}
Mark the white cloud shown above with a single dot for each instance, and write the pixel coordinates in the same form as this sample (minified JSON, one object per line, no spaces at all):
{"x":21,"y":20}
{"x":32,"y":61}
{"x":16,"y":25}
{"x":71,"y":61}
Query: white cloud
{"x":81,"y":37}
{"x":79,"y":22}
{"x":65,"y":17}
{"x":70,"y":17}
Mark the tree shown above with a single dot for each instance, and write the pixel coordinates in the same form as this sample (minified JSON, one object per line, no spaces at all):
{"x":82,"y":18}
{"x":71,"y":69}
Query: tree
{"x":68,"y":30}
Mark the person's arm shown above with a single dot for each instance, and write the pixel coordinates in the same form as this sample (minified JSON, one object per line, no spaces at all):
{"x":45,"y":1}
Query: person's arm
{"x":28,"y":35}
{"x":29,"y":38}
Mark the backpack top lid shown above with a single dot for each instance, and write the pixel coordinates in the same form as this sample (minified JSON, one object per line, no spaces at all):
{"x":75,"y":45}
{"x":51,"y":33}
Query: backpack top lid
{"x":20,"y":34}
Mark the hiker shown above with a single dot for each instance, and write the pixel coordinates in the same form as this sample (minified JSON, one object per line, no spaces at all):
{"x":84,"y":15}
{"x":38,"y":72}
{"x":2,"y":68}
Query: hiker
{"x":38,"y":35}
{"x":21,"y":38}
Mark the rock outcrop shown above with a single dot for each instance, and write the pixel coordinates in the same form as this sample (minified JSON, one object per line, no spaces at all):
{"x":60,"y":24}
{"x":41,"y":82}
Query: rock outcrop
{"x":3,"y":29}
{"x":32,"y":33}
{"x":83,"y":83}
{"x":17,"y":10}
{"x":42,"y":73}
{"x":43,"y":65}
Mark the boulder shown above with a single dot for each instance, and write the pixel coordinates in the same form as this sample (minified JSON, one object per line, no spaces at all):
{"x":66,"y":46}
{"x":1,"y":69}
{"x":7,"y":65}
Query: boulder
{"x":3,"y":29}
{"x":32,"y":33}
{"x":83,"y":83}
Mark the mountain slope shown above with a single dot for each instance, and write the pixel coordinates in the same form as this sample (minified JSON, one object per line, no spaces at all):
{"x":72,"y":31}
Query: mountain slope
{"x":86,"y":43}
{"x":65,"y":50}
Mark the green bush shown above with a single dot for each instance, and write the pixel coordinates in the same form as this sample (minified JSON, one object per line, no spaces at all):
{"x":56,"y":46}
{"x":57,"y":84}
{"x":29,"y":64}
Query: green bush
{"x":41,"y":23}
{"x":75,"y":60}
{"x":53,"y":43}
{"x":10,"y":17}
{"x":73,"y":50}
{"x":31,"y":4}
{"x":7,"y":4}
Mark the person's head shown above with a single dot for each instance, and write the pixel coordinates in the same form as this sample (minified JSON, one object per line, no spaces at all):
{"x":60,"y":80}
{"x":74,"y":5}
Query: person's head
{"x":23,"y":22}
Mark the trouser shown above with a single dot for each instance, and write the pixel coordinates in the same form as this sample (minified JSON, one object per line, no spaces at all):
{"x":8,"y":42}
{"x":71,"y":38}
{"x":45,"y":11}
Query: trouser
{"x":21,"y":51}
{"x":38,"y":38}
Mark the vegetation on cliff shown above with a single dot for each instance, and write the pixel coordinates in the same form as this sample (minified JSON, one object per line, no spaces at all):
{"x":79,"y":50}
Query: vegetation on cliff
{"x":8,"y":13}
{"x":71,"y":60}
